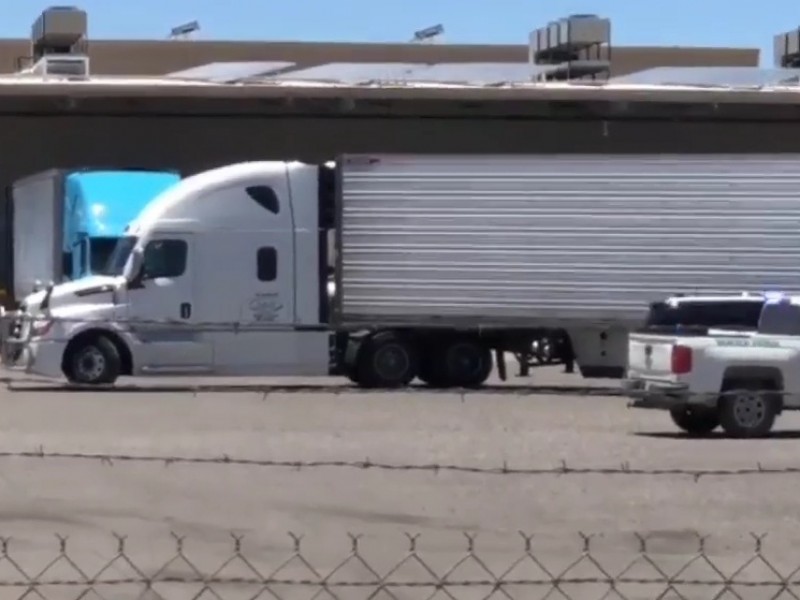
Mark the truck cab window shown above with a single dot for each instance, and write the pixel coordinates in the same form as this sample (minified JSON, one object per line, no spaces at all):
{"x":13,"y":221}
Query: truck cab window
{"x":165,"y":258}
{"x":100,"y":251}
{"x":119,"y":257}
{"x":267,"y":264}
{"x":265,"y":197}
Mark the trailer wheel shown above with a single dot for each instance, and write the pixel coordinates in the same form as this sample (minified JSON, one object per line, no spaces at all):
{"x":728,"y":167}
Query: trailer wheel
{"x":94,"y":361}
{"x":431,"y":372}
{"x":467,"y":363}
{"x":387,"y":360}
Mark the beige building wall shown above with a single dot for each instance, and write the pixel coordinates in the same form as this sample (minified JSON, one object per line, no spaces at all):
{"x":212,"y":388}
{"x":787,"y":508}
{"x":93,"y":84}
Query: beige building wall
{"x":116,"y":57}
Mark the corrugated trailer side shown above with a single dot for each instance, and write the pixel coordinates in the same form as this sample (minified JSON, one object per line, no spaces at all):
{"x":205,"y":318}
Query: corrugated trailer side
{"x":526,"y":240}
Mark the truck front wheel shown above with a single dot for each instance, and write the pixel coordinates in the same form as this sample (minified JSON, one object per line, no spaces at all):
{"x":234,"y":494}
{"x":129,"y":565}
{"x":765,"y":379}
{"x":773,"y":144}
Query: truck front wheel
{"x":695,"y":420}
{"x":748,"y":409}
{"x":93,"y":361}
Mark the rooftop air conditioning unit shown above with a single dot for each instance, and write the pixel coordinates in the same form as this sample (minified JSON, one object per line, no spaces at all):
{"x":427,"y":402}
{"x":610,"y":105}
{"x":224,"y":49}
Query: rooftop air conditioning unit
{"x":72,"y":66}
{"x":787,"y":49}
{"x":576,"y":46}
{"x":59,"y":30}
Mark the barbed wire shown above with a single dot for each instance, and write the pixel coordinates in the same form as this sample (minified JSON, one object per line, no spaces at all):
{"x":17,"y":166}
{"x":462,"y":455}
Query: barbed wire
{"x":523,"y":572}
{"x":562,"y":469}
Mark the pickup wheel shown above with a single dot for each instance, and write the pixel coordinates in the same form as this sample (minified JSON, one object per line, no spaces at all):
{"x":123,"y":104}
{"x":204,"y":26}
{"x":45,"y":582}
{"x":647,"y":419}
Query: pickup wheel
{"x":695,"y":420}
{"x":747,"y":409}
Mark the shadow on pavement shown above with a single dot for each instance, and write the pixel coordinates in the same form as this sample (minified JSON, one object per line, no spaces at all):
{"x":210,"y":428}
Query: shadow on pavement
{"x":677,"y":435}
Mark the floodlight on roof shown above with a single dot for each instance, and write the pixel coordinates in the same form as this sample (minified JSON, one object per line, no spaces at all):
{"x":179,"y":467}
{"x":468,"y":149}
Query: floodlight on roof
{"x":184,"y":31}
{"x":429,"y":35}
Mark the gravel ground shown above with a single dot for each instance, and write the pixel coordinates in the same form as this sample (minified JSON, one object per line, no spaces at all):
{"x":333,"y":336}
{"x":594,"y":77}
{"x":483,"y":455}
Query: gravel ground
{"x":88,"y":498}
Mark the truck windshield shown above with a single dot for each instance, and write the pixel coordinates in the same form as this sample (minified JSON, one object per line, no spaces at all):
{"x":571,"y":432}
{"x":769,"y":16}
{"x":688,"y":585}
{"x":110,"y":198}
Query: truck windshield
{"x":101,"y":249}
{"x":119,"y":256}
{"x":780,"y":318}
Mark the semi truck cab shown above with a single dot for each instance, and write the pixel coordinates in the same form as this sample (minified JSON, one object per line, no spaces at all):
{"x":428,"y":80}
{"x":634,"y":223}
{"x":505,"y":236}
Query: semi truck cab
{"x":226,"y":247}
{"x":99,"y":206}
{"x":64,"y":224}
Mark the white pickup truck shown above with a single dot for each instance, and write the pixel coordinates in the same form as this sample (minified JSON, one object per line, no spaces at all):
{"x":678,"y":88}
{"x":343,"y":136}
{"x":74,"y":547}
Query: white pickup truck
{"x":739,"y":380}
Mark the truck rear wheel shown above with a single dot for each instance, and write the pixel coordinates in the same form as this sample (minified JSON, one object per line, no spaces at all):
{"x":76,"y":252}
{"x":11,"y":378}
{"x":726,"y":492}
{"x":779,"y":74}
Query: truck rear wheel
{"x":695,"y":420}
{"x":458,"y":363}
{"x":94,"y":361}
{"x":387,"y":360}
{"x":747,"y":409}
{"x":467,"y":363}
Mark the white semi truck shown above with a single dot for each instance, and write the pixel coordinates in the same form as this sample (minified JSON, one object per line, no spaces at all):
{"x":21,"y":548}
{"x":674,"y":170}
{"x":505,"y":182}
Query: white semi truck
{"x":436,"y":262}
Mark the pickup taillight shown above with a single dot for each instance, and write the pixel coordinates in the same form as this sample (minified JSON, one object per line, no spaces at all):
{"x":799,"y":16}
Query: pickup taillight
{"x":681,"y":359}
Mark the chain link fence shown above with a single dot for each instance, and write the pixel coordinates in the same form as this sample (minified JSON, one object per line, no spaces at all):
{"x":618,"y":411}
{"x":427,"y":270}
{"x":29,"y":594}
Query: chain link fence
{"x":406,"y":571}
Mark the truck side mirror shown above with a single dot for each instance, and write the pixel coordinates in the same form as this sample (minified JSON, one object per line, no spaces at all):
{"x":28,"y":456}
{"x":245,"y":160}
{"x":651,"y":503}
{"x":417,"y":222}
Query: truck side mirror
{"x":137,"y":274}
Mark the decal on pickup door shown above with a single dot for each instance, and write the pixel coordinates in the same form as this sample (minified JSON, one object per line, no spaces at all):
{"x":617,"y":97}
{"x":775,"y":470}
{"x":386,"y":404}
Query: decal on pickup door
{"x":749,"y":343}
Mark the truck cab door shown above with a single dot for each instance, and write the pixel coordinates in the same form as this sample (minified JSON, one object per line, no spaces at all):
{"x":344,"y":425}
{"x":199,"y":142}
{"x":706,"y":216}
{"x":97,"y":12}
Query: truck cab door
{"x":160,"y":309}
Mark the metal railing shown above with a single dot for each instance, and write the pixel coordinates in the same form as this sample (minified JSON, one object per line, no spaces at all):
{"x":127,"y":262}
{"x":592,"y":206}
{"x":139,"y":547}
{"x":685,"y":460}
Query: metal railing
{"x":524,"y":569}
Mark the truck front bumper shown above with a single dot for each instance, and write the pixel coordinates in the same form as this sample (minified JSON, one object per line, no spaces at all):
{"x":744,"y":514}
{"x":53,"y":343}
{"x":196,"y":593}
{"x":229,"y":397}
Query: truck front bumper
{"x":662,"y":394}
{"x":44,"y":357}
{"x":12,"y":341}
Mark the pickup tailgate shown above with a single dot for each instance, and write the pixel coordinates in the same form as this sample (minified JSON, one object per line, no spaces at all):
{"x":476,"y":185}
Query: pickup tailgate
{"x":650,"y":355}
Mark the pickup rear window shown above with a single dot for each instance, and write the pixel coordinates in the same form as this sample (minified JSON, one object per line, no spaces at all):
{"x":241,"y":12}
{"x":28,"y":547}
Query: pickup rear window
{"x":780,"y":319}
{"x":740,"y":315}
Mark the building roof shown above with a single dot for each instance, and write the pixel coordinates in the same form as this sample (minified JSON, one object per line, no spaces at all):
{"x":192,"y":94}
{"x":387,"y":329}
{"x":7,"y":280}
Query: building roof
{"x":110,"y":95}
{"x":157,"y":57}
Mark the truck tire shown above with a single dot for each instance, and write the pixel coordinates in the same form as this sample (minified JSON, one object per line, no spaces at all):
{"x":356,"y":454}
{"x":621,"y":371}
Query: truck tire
{"x":456,"y":363}
{"x":467,"y":363}
{"x":387,"y":360}
{"x":695,"y":420}
{"x":95,"y":361}
{"x":352,"y":374}
{"x":747,"y":409}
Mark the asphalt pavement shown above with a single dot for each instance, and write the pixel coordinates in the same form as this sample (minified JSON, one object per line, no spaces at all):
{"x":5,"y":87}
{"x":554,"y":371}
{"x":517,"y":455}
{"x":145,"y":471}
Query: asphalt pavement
{"x":203,"y":465}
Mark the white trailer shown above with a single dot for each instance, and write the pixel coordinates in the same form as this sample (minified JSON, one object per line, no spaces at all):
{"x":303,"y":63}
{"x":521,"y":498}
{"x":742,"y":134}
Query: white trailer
{"x":437,"y":260}
{"x":35,"y":208}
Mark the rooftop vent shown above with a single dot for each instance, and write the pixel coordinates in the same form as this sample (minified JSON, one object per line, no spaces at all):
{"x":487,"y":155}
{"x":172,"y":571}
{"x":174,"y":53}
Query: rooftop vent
{"x":578,"y":45}
{"x":787,"y":49}
{"x":59,"y":44}
{"x":54,"y":65}
{"x":59,"y":30}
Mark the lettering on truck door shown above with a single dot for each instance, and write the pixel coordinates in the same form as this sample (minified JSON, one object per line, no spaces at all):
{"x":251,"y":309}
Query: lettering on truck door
{"x":162,"y":310}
